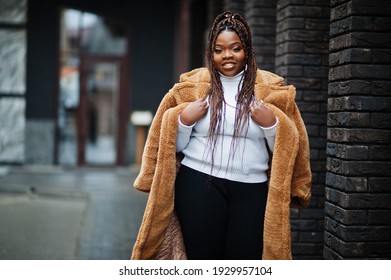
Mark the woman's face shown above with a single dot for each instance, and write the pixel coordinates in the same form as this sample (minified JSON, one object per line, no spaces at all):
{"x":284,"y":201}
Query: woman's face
{"x":228,"y":53}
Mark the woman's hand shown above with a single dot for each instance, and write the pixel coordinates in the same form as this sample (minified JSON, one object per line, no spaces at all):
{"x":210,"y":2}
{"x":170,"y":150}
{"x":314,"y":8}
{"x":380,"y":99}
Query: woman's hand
{"x":194,"y":112}
{"x":262,"y":115}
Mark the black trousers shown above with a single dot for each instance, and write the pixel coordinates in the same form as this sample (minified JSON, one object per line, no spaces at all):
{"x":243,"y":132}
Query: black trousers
{"x":220,"y":219}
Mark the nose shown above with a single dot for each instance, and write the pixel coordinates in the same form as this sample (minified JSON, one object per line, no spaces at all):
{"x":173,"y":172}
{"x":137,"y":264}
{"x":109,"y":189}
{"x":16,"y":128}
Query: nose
{"x":227,"y":54}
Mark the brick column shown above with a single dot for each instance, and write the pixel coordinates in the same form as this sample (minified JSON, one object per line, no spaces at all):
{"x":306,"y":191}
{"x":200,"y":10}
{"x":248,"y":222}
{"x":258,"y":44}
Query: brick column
{"x":235,"y":6}
{"x":302,"y":58}
{"x":261,"y":17}
{"x":358,"y":191}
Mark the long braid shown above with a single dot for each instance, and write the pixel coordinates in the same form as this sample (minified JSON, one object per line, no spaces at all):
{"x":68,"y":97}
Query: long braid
{"x":231,"y":22}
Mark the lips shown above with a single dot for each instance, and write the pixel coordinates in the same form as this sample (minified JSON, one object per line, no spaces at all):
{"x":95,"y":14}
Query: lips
{"x":228,"y":65}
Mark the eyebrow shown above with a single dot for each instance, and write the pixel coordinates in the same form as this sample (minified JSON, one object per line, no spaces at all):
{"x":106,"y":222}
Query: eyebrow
{"x":234,"y":43}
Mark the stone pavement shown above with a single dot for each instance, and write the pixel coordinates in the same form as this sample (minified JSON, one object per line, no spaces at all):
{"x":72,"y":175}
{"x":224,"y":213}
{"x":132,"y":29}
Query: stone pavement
{"x":54,"y":212}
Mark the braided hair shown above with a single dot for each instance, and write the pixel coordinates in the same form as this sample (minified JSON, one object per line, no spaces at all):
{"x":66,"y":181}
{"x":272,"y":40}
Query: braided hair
{"x":229,"y":21}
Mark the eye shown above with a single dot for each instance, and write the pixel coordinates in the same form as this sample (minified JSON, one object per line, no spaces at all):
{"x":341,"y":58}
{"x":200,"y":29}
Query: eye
{"x":217,"y":51}
{"x":237,"y":49}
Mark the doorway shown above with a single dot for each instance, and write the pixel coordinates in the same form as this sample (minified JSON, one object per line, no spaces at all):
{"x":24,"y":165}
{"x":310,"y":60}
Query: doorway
{"x":93,"y":98}
{"x":100,"y":124}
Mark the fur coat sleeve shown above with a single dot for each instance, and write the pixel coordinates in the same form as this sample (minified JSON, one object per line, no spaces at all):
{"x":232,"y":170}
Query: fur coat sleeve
{"x":289,"y":184}
{"x":158,"y":171}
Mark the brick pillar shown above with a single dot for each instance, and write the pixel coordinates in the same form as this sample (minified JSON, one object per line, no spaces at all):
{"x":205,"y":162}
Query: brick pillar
{"x":261,"y":17}
{"x":302,"y":58}
{"x":235,"y":6}
{"x":358,"y":182}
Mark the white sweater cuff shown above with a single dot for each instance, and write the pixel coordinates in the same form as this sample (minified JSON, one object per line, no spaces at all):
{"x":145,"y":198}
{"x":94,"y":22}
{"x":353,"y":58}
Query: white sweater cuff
{"x":271,"y":130}
{"x":184,"y":128}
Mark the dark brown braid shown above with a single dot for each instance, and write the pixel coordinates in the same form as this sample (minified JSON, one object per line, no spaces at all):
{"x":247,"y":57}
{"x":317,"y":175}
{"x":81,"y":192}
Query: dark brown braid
{"x":231,"y":22}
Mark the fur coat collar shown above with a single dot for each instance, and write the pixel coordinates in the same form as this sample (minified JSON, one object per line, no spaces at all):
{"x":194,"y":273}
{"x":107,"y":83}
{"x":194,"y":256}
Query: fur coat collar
{"x":290,"y":177}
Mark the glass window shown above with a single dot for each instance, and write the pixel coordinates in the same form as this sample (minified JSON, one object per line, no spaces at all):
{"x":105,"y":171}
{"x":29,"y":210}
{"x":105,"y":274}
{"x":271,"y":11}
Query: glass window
{"x":91,"y":33}
{"x":13,"y":59}
{"x":13,"y":11}
{"x":85,"y":35}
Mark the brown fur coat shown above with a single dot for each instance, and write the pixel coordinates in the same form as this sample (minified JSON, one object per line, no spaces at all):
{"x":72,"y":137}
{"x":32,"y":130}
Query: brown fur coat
{"x":290,"y":180}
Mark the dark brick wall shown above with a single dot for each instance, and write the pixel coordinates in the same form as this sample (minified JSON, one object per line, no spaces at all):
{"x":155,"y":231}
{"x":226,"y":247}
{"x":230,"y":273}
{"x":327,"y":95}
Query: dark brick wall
{"x":261,"y":17}
{"x":236,"y":6}
{"x":358,"y":181}
{"x":302,"y":58}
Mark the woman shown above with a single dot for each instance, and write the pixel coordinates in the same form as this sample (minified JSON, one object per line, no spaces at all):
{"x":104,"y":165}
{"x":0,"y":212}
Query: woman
{"x":224,"y":121}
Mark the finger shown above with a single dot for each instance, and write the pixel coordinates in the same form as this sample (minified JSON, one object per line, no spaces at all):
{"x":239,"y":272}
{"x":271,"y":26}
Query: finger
{"x":203,"y":100}
{"x":263,"y":105}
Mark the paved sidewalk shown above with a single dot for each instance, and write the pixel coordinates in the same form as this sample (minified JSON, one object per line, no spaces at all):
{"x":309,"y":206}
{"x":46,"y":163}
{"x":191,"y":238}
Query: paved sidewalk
{"x":52,"y":212}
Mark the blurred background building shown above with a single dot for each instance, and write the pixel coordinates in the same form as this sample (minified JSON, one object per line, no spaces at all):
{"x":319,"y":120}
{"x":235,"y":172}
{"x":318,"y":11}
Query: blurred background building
{"x":80,"y":81}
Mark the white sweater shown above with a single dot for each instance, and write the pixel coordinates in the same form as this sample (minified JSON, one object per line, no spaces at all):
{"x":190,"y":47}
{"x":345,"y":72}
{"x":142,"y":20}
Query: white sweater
{"x":250,"y":161}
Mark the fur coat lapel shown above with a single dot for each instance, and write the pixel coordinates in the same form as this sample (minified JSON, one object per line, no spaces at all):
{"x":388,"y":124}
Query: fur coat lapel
{"x":290,"y":177}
